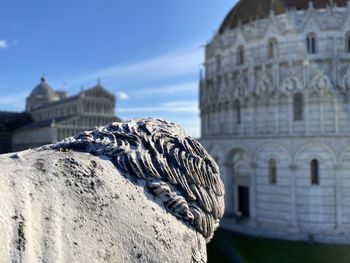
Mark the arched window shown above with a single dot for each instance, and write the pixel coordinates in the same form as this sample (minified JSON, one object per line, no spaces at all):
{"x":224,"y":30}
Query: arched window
{"x":315,"y":180}
{"x":298,"y":107}
{"x":237,"y":111}
{"x":311,"y":43}
{"x":272,"y":171}
{"x":240,"y":55}
{"x":347,"y":42}
{"x":272,"y":48}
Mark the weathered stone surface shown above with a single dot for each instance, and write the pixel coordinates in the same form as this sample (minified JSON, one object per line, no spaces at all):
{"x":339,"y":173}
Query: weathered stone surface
{"x":71,"y":206}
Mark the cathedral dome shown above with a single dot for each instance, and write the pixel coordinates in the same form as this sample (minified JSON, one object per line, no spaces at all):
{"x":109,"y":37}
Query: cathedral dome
{"x":246,"y":10}
{"x":43,"y":91}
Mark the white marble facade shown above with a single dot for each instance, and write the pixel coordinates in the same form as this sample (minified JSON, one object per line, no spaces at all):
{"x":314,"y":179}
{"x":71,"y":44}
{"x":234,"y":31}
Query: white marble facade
{"x":275,"y":114}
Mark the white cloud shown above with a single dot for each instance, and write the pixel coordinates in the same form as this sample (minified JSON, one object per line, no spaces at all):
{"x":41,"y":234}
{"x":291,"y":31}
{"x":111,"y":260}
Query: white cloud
{"x":3,"y":43}
{"x":169,"y":107}
{"x":122,"y":96}
{"x":168,"y":65}
{"x":167,"y":90}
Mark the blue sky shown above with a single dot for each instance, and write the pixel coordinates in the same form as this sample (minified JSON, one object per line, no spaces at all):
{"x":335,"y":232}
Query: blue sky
{"x":149,"y":53}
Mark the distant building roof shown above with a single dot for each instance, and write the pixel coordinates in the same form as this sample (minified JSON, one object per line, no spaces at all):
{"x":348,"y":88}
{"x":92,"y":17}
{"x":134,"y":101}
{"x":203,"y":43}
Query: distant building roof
{"x":42,"y":90}
{"x":44,"y":123}
{"x":71,"y":98}
{"x":9,"y":121}
{"x":246,"y":10}
{"x":52,"y":103}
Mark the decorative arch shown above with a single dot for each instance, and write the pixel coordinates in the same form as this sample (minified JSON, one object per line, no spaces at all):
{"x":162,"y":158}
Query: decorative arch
{"x":263,"y":86}
{"x":242,"y":168}
{"x":241,"y":88}
{"x":310,"y":21}
{"x":270,"y":145}
{"x":321,"y":82}
{"x":298,"y":155}
{"x":345,"y":154}
{"x":235,"y":154}
{"x":291,"y":84}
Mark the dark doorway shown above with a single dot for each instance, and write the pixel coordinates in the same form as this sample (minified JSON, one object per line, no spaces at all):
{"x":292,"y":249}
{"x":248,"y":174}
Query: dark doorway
{"x":243,"y":200}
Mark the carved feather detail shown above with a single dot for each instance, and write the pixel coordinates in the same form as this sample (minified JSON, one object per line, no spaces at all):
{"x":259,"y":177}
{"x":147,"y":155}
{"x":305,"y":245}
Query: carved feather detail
{"x":176,"y":168}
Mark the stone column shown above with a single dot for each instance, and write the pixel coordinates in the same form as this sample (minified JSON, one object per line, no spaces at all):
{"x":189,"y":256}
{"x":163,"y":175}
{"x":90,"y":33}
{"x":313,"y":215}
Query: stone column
{"x":230,"y":187}
{"x":277,"y":75}
{"x":290,"y":116}
{"x":251,"y":78}
{"x":336,"y":117}
{"x":230,"y":120}
{"x":307,"y":116}
{"x":322,"y":113}
{"x":254,"y":126}
{"x":252,"y":193}
{"x":293,"y":197}
{"x":338,"y":199}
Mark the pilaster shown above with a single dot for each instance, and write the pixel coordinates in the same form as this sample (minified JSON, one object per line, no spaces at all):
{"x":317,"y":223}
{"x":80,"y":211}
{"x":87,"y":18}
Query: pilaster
{"x":252,"y":193}
{"x":276,"y":117}
{"x":322,"y":113}
{"x":307,"y":116}
{"x":338,"y":198}
{"x":290,"y":116}
{"x":293,"y":198}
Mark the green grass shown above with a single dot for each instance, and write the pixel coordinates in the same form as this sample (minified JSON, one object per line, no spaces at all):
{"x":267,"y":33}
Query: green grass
{"x":230,"y":247}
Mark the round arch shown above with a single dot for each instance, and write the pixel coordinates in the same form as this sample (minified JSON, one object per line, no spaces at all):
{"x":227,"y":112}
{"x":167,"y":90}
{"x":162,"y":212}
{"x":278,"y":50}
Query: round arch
{"x":345,"y":150}
{"x":271,"y":145}
{"x":233,"y":152}
{"x":310,"y":145}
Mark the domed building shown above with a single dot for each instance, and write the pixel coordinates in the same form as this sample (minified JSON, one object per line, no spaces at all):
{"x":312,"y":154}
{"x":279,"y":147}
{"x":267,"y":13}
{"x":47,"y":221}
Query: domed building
{"x":275,"y":114}
{"x":42,"y":93}
{"x":53,"y":115}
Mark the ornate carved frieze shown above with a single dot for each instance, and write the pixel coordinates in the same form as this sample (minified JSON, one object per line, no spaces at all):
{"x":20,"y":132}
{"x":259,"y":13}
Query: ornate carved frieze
{"x":241,"y":87}
{"x":291,"y":81}
{"x":321,"y":82}
{"x":264,"y":82}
